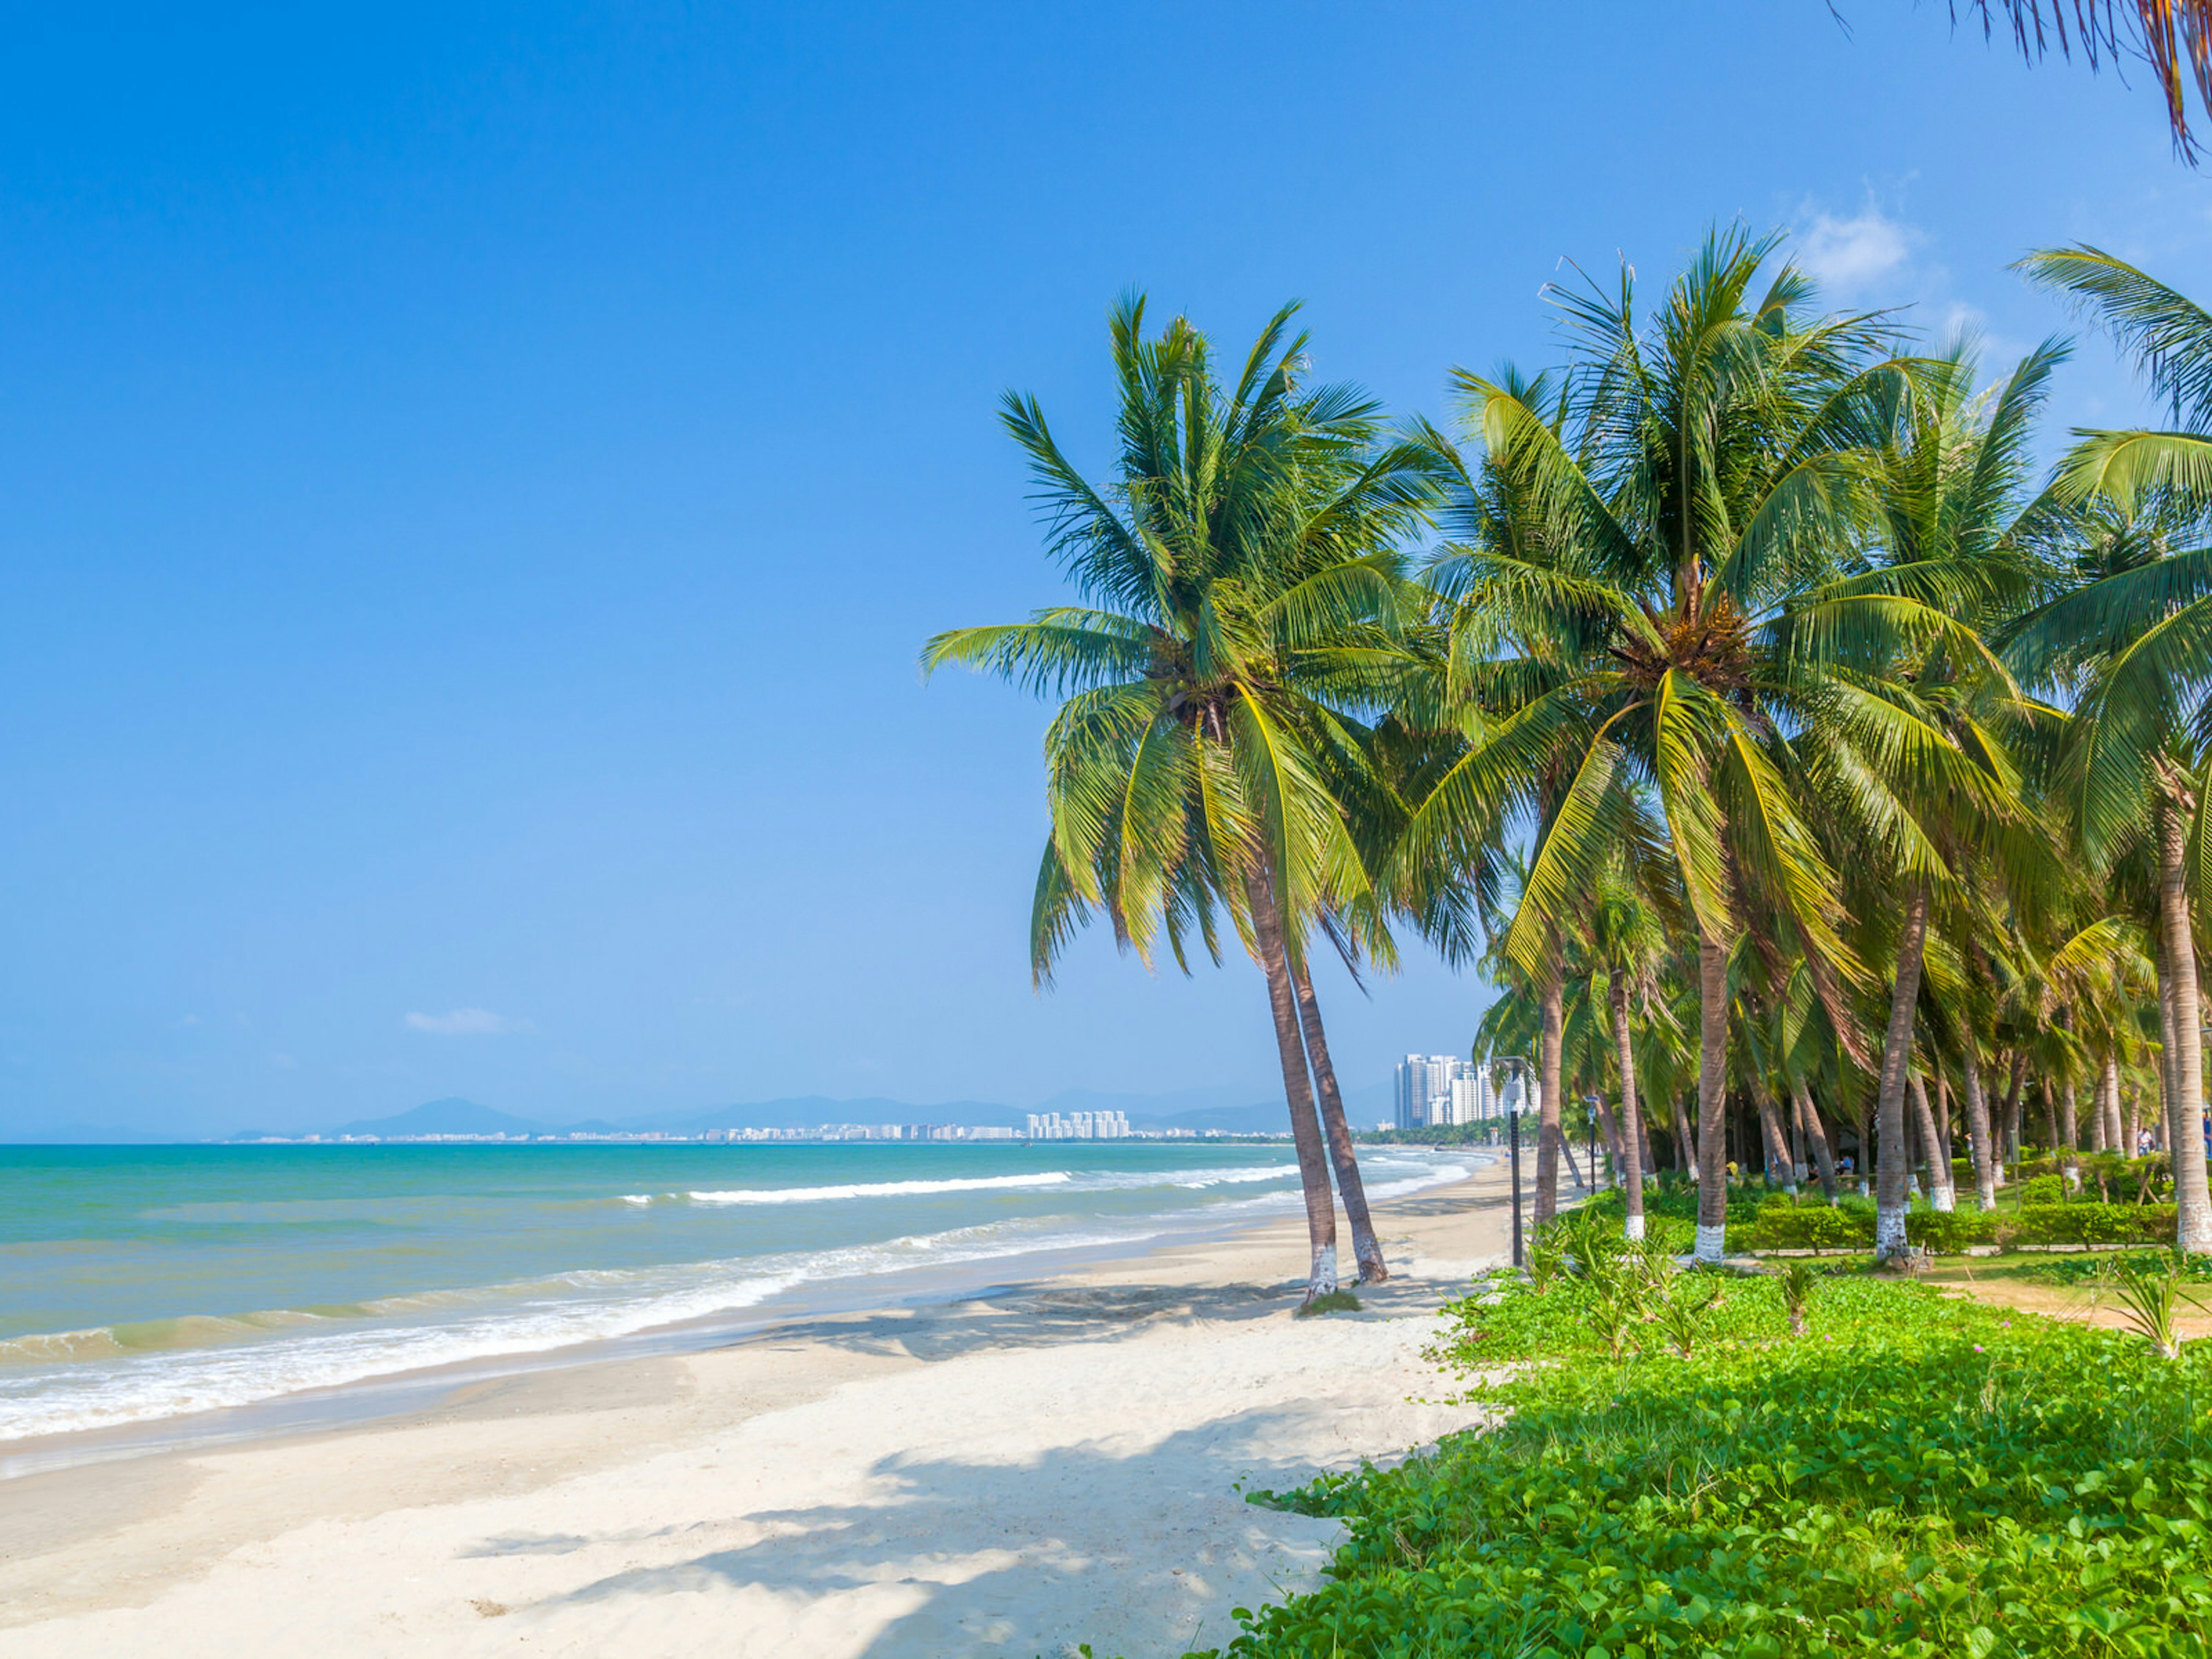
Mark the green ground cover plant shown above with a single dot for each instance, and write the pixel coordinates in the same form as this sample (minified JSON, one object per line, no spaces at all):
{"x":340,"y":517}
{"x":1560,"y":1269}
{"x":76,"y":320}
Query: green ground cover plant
{"x":2088,"y":1269}
{"x":1915,"y":1475}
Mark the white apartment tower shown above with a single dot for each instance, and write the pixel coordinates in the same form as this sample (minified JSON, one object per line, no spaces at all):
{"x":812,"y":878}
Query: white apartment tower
{"x":1078,"y":1126}
{"x":1438,"y":1091}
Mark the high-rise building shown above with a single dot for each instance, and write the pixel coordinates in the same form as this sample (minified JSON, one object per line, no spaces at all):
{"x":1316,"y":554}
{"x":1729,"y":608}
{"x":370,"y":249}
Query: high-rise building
{"x":1438,"y":1091}
{"x":1078,"y":1126}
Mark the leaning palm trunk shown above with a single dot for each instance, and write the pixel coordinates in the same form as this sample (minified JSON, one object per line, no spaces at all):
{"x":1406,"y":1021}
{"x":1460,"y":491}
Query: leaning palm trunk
{"x":1781,"y":1167}
{"x":1609,"y":1127}
{"x":1549,"y":1140}
{"x":1816,"y":1136}
{"x":2193,"y":1203}
{"x":1977,"y":1129}
{"x":1297,"y":1089}
{"x":2070,"y":1130}
{"x":1636,"y":1149}
{"x":1893,"y":1175}
{"x":1341,"y":1155}
{"x":1935,"y":1147}
{"x":1712,"y":1098}
{"x":2014,"y":1085}
{"x":1686,"y":1144}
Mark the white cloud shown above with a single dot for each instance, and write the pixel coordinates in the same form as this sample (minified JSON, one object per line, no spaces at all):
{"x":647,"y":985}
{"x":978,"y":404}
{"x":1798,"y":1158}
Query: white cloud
{"x":1848,"y":256}
{"x":466,"y":1022}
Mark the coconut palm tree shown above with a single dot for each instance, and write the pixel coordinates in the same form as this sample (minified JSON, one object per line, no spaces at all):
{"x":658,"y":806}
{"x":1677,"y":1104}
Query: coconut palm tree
{"x":1920,"y":774}
{"x":2172,"y":37}
{"x":1663,"y":630}
{"x":1487,"y":660}
{"x":1238,"y":578}
{"x":1626,"y":941}
{"x":2133,"y":646}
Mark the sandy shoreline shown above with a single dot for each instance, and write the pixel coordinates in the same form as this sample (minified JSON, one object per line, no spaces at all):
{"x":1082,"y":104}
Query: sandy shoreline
{"x":1005,"y":1475}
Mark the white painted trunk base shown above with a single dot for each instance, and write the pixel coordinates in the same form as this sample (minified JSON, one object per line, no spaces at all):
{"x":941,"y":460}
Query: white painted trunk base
{"x":1712,"y":1242}
{"x":1633,"y":1227}
{"x":1889,"y":1232}
{"x":1322,"y":1280}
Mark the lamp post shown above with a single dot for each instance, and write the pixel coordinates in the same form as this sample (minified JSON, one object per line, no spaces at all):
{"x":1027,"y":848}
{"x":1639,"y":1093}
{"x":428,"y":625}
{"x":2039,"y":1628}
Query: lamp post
{"x":1513,"y":1136}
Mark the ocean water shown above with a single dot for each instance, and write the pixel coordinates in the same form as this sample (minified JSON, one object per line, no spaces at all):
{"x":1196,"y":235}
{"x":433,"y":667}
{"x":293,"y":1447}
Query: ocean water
{"x":145,"y":1283}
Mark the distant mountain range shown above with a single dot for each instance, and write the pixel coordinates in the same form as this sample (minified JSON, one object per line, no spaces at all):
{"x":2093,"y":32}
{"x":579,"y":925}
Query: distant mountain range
{"x":1229,"y":1110}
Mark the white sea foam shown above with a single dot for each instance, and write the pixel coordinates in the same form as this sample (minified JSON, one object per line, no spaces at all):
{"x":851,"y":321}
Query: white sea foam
{"x":877,"y":1189}
{"x":436,"y":1328}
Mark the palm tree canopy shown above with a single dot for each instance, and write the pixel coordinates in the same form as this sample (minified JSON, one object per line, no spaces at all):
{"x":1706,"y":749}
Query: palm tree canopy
{"x":1241,"y":586}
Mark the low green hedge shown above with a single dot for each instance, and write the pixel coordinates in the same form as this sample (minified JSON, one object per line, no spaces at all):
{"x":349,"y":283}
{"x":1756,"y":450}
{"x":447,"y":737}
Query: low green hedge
{"x":1778,"y":1223}
{"x":2092,"y":1224}
{"x":1782,"y":1225}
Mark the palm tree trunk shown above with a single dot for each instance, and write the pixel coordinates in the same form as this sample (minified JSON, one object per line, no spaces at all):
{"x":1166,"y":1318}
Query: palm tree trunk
{"x":2192,"y":1201}
{"x":1637,"y":1149}
{"x":1686,"y":1144}
{"x":2069,"y":1129}
{"x":1341,"y":1155}
{"x":2169,"y":1044}
{"x":1816,"y":1135}
{"x":1893,"y":1177}
{"x":1777,"y":1143}
{"x":1298,"y":1089}
{"x":1935,"y":1149}
{"x":1943,"y":1133}
{"x":1609,"y":1128}
{"x":1712,"y":1098}
{"x":1979,"y":1145}
{"x":2116,"y":1127}
{"x":2011,"y":1108}
{"x":1549,"y":1140}
{"x":2100,"y":1140}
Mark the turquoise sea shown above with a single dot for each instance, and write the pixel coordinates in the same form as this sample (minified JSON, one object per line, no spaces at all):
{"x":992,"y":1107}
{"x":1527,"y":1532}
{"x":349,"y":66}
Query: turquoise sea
{"x":144,"y":1283}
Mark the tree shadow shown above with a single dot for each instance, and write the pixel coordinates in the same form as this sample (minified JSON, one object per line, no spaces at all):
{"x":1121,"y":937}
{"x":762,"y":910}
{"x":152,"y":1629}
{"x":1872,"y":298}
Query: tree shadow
{"x":1043,"y":1315}
{"x":1140,"y":1551}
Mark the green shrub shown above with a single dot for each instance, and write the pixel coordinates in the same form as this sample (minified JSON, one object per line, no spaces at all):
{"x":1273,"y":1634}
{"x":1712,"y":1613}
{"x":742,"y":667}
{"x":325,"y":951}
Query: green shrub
{"x":2091,"y":1223}
{"x":1948,"y":1232}
{"x":1920,"y":1477}
{"x":2043,"y":1189}
{"x":1804,"y":1227}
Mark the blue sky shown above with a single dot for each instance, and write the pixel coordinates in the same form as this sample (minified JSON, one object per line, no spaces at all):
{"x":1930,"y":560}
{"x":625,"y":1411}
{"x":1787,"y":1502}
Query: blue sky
{"x":473,"y":483}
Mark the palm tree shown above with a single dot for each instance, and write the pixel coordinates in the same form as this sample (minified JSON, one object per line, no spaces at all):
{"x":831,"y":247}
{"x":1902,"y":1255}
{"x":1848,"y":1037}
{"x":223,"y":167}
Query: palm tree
{"x":1625,"y":942}
{"x":1237,"y":577}
{"x":2134,"y":645}
{"x":1947,"y":471}
{"x":1652,"y":636}
{"x":2173,"y":37}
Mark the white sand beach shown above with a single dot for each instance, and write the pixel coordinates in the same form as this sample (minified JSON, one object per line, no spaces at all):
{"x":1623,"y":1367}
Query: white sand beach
{"x":1005,"y":1476}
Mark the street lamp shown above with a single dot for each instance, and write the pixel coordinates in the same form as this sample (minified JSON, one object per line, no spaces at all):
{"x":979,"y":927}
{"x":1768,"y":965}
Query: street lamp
{"x":1513,"y":1135}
